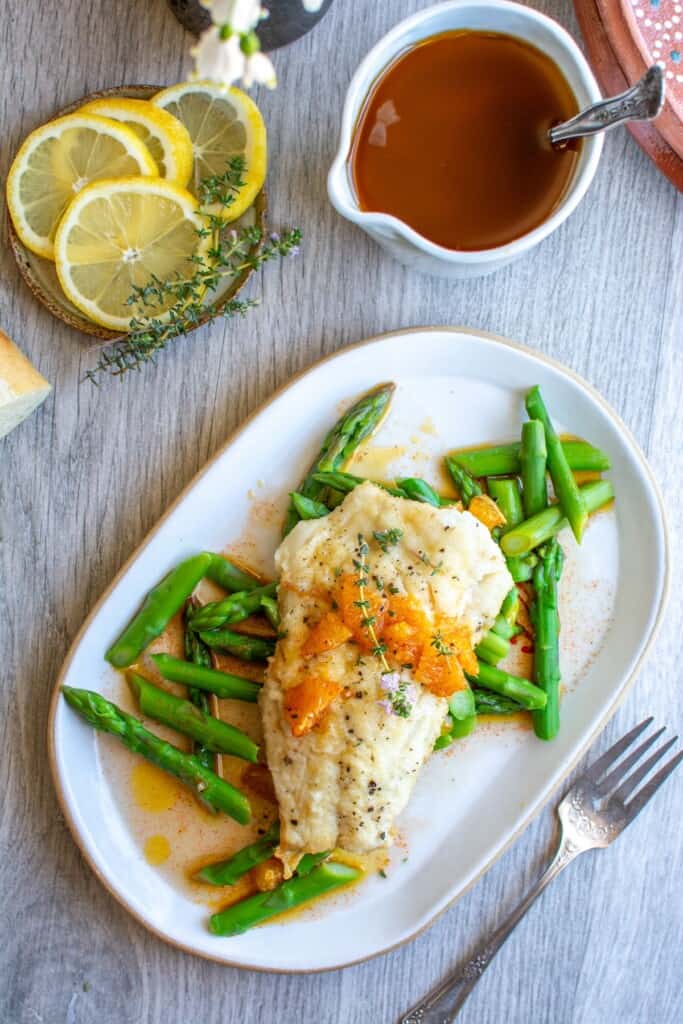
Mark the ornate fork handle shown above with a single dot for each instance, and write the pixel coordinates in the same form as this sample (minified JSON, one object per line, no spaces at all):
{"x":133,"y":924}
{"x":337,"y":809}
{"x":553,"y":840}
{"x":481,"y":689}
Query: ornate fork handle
{"x":443,"y":1002}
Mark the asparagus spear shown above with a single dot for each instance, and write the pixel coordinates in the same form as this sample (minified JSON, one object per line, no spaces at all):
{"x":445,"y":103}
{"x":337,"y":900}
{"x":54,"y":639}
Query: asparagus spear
{"x":515,"y":687}
{"x":506,"y":494}
{"x":419,"y":490}
{"x":215,"y":792}
{"x":521,"y":567}
{"x":503,"y":459}
{"x":160,"y":605}
{"x":308,"y":508}
{"x":544,"y":525}
{"x":465,"y":484}
{"x":345,"y":482}
{"x":566,"y":489}
{"x":533,"y":458}
{"x":249,"y":648}
{"x":239,"y":917}
{"x":492,"y":648}
{"x":227,"y":872}
{"x":234,"y":608}
{"x":182,"y":715}
{"x":198,"y":655}
{"x":228,"y":576}
{"x":506,"y":620}
{"x":271,"y":611}
{"x":223,"y":684}
{"x":458,"y":729}
{"x":357,"y":424}
{"x":546,"y":623}
{"x":494,"y":704}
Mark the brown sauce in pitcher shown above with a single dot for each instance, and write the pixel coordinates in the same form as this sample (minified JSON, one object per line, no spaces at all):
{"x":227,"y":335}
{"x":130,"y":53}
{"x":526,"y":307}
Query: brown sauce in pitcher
{"x":452,"y":140}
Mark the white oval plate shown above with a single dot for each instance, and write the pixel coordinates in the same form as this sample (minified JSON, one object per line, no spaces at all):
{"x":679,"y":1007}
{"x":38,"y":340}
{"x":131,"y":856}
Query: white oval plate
{"x":456,"y":387}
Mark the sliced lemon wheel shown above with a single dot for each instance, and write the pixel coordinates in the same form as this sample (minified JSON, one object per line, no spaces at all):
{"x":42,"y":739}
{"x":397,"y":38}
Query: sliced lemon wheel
{"x":167,"y":140}
{"x":118,"y":235}
{"x":59,"y":159}
{"x":222,"y":123}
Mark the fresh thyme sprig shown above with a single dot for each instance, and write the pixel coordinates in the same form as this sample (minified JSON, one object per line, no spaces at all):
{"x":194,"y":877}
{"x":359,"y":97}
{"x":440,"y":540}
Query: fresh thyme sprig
{"x":367,"y":621}
{"x":442,"y":648}
{"x":166,"y":309}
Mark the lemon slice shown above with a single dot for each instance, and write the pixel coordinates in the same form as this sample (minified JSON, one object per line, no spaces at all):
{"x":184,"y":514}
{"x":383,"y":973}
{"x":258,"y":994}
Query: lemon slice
{"x":118,"y":235}
{"x":166,"y":138}
{"x":56,"y":161}
{"x":222,"y":123}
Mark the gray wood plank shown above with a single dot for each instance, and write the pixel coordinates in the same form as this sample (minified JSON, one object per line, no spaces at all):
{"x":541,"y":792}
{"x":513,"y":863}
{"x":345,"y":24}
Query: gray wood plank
{"x":87,"y":476}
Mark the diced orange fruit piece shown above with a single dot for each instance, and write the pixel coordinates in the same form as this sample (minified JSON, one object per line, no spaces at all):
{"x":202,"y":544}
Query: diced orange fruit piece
{"x":440,"y":673}
{"x":268,"y":875}
{"x":404,"y":645}
{"x":406,"y":608}
{"x":486,"y":511}
{"x":307,"y":702}
{"x":353,"y":614}
{"x":459,"y":636}
{"x":327,"y":634}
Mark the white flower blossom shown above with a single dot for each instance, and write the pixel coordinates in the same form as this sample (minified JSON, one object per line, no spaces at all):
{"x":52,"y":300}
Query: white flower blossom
{"x":219,"y":60}
{"x":259,"y":68}
{"x":241,"y":15}
{"x":389,"y":681}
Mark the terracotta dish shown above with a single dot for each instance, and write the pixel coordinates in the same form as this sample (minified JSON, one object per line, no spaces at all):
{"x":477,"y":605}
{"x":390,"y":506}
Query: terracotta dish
{"x":622,"y":39}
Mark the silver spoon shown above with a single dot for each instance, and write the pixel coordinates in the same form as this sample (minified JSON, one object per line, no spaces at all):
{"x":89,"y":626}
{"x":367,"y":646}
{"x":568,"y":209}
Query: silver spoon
{"x":642,"y":102}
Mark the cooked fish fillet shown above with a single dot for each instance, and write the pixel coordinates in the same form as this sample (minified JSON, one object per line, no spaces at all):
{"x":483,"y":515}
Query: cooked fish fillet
{"x":343,"y":783}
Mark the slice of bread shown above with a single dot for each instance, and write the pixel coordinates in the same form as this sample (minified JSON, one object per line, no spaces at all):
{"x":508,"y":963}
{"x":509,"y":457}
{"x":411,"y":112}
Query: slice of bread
{"x":22,"y":388}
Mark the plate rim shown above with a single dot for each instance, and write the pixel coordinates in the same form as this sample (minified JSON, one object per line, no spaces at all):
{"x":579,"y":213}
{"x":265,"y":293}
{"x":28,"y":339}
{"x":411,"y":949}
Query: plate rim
{"x":599,"y":725}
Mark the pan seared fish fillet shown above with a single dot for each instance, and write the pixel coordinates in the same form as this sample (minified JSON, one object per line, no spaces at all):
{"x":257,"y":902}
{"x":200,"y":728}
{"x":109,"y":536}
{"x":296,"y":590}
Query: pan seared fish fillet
{"x":343,"y":783}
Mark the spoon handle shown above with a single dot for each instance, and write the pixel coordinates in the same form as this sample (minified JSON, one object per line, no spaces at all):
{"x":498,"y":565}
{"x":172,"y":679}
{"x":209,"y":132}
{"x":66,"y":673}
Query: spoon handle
{"x":642,"y":102}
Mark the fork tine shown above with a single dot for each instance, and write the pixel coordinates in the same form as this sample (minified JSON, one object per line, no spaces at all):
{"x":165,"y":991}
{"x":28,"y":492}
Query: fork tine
{"x":635,"y":778}
{"x":615,"y":776}
{"x":596,"y":771}
{"x":636,"y":805}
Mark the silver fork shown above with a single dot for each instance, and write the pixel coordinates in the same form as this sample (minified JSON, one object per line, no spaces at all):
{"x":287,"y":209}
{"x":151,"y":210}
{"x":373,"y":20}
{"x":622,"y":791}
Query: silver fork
{"x":592,"y":814}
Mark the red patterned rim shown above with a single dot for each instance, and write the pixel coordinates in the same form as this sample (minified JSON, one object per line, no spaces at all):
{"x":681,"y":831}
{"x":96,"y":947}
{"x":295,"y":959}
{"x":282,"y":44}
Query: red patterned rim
{"x":622,"y":38}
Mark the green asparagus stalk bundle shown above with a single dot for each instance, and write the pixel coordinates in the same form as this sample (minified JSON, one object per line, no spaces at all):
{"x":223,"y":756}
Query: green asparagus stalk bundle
{"x":229,"y":577}
{"x":533,"y":458}
{"x":546,"y":622}
{"x":232,"y":609}
{"x":160,"y":605}
{"x":540,"y":528}
{"x":568,"y":494}
{"x":465,"y":484}
{"x":356,"y":425}
{"x":216,"y":793}
{"x":239,"y":917}
{"x":228,"y":872}
{"x":249,"y":648}
{"x":515,"y":687}
{"x":222,"y":684}
{"x":197,"y":655}
{"x":183,"y":715}
{"x":504,"y":459}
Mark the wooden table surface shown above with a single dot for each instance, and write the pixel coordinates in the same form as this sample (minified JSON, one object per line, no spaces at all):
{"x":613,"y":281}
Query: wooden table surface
{"x":86,"y":477}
